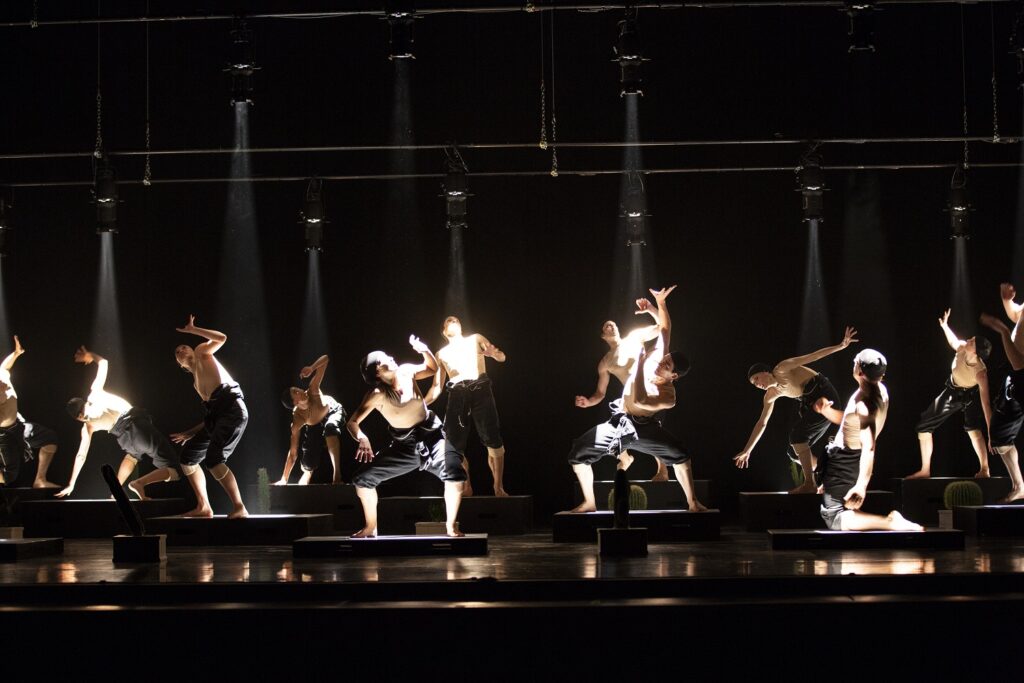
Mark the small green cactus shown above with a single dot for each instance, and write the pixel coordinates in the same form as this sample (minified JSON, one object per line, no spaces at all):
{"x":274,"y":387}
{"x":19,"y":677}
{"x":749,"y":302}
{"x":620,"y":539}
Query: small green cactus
{"x":796,"y":472}
{"x":262,"y":491}
{"x":962,"y":494}
{"x":637,"y":498}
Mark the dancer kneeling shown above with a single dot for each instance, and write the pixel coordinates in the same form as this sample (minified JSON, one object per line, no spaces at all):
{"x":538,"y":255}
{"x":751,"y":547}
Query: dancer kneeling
{"x":846,"y":467}
{"x":417,"y":439}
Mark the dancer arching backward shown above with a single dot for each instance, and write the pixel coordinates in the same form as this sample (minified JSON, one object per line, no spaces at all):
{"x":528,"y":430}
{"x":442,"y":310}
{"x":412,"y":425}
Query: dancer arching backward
{"x":132,"y":427}
{"x":846,"y":467}
{"x":635,"y":426}
{"x":19,"y":438}
{"x":1007,"y":411}
{"x":216,"y":437}
{"x":967,"y":390}
{"x":792,"y":378}
{"x":470,"y":396}
{"x":316,"y":424}
{"x":417,"y":439}
{"x":618,"y":362}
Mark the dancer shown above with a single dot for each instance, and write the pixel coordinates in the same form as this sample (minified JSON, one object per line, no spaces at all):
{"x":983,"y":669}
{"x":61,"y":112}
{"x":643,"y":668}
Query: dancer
{"x":469,"y":395}
{"x":792,"y":378}
{"x":1007,"y":411}
{"x":846,"y":467}
{"x":216,"y":437}
{"x":417,"y":438}
{"x":635,"y":425}
{"x":19,"y":438}
{"x":132,"y":427}
{"x":618,"y":363}
{"x":316,"y":424}
{"x":966,"y":388}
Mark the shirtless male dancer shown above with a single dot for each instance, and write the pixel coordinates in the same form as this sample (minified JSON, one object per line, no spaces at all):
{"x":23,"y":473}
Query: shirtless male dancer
{"x":19,"y":438}
{"x":1007,"y":409}
{"x":848,"y":461}
{"x":618,"y":363}
{"x":316,"y":423}
{"x":417,"y":439}
{"x":469,"y":395}
{"x":213,"y":439}
{"x":967,"y":390}
{"x":132,"y":427}
{"x":635,"y":426}
{"x":792,"y":379}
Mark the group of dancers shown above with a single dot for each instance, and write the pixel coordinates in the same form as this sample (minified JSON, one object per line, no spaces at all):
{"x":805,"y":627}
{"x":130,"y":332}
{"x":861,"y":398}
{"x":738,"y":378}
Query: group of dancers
{"x":419,"y":439}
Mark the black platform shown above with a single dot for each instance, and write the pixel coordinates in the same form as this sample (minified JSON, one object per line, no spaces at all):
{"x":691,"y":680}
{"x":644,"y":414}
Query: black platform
{"x":494,"y":515}
{"x":663,"y":526}
{"x":763,"y":510}
{"x":338,"y":500}
{"x":661,"y":495}
{"x":12,"y":498}
{"x":90,"y":518}
{"x":252,"y":530}
{"x":12,"y":550}
{"x":389,"y":546}
{"x":921,"y":499}
{"x":814,"y":539}
{"x":990,"y":520}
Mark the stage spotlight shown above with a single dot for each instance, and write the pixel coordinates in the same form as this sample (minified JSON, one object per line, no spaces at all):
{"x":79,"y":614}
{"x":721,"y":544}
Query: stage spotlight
{"x":400,"y":15}
{"x":811,"y":185}
{"x":313,"y":216}
{"x":104,"y":194}
{"x":455,"y":189}
{"x":629,"y":56}
{"x":959,"y":205}
{"x":241,"y":62}
{"x":862,"y":25}
{"x":5,"y":223}
{"x":634,"y":212}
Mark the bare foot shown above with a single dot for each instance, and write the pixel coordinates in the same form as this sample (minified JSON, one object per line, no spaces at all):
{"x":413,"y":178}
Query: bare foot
{"x":806,"y":487}
{"x":366,"y":532}
{"x":139,"y":491}
{"x":585,"y":507}
{"x":982,"y":474}
{"x":200,"y":511}
{"x":697,"y":506}
{"x":44,"y":484}
{"x":455,"y":532}
{"x":898,"y":522}
{"x":500,"y":492}
{"x":1014,"y":494}
{"x":920,"y":474}
{"x":239,"y":512}
{"x":305,"y":478}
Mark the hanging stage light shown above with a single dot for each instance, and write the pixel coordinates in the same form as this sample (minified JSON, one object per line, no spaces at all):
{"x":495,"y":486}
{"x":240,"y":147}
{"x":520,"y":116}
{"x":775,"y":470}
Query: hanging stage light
{"x":1017,"y":45}
{"x":634,"y":212}
{"x":241,"y":62}
{"x":628,"y":55}
{"x":313,"y":216}
{"x":959,"y":205}
{"x":455,"y":189}
{"x":862,"y":25}
{"x":104,"y":194}
{"x":810,"y":180}
{"x":400,"y":15}
{"x":5,"y":223}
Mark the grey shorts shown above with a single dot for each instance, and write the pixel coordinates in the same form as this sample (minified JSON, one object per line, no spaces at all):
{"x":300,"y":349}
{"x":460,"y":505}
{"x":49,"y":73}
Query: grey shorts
{"x":832,"y":510}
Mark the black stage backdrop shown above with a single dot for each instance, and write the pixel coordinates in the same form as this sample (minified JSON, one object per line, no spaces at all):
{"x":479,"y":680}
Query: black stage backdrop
{"x":539,"y":249}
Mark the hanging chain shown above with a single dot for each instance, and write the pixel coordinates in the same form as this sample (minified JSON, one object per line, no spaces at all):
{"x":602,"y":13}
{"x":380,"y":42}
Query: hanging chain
{"x":147,"y":171}
{"x":995,"y":92}
{"x":98,"y":152}
{"x":554,"y":119}
{"x":543,"y":92}
{"x":34,"y":21}
{"x":963,"y":77}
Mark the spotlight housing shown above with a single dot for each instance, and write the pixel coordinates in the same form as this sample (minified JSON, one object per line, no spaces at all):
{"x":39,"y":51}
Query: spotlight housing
{"x":958,"y":205}
{"x":241,"y":62}
{"x":455,"y":189}
{"x":862,"y":25}
{"x":629,"y":56}
{"x":810,"y":180}
{"x":313,"y":216}
{"x":5,"y":223}
{"x":104,"y":194}
{"x":400,"y":15}
{"x":634,"y":212}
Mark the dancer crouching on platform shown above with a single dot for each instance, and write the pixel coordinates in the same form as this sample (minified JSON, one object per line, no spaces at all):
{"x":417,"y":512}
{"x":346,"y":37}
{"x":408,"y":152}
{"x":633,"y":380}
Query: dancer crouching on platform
{"x":417,"y":439}
{"x":316,"y":423}
{"x":792,"y":379}
{"x":19,"y":438}
{"x":1007,"y":412}
{"x":635,"y":426}
{"x":848,"y":461}
{"x":213,"y":439}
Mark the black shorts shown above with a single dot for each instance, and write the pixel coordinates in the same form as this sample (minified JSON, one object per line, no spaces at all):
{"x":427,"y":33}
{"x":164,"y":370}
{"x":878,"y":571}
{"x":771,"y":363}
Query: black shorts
{"x":17,"y":443}
{"x":811,"y":426}
{"x":838,"y":470}
{"x":472,"y":399}
{"x":1007,"y":414}
{"x":418,"y":448}
{"x":314,"y":437}
{"x":223,"y":426}
{"x":624,"y":432}
{"x":952,"y":400}
{"x":137,"y":437}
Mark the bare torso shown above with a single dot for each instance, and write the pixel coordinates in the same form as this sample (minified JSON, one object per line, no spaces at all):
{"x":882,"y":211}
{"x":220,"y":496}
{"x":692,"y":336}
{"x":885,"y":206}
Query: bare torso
{"x":410,"y":409}
{"x":208,"y":375}
{"x":8,"y":404}
{"x":620,"y":360}
{"x":629,"y":402}
{"x":848,"y":435}
{"x":316,"y":409}
{"x":791,"y":381}
{"x":463,"y":359}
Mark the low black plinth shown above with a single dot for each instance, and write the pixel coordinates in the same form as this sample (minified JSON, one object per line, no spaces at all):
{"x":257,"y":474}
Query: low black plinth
{"x":15,"y":549}
{"x":816,"y":539}
{"x":493,"y":515}
{"x":622,"y":542}
{"x":663,"y":526}
{"x":763,"y":510}
{"x":921,"y":499}
{"x":338,"y":500}
{"x":389,"y":546}
{"x":148,"y":549}
{"x":90,"y":518}
{"x":12,"y":498}
{"x":252,"y":530}
{"x":990,"y":520}
{"x":661,"y":495}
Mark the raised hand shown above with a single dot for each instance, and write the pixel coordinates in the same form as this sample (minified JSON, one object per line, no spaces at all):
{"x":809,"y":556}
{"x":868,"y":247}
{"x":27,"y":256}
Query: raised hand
{"x":17,"y":346}
{"x":1007,"y":292}
{"x":944,"y":320}
{"x":661,"y":294}
{"x":489,"y":350}
{"x":849,"y":337}
{"x":417,"y":345}
{"x":189,"y":327}
{"x":364,"y":453}
{"x":582,"y":402}
{"x":305,"y":372}
{"x":643,"y":305}
{"x":84,"y":356}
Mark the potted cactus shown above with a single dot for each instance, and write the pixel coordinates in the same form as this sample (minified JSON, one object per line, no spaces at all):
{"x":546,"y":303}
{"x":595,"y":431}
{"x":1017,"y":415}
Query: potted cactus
{"x":262,"y":491}
{"x":958,"y":494}
{"x":436,"y":525}
{"x":637,"y":498}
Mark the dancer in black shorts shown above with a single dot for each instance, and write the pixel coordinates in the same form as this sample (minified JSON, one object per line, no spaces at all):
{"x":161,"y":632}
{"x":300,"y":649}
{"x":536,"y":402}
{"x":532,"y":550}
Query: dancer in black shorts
{"x":1007,"y":410}
{"x":20,"y":439}
{"x":317,"y":421}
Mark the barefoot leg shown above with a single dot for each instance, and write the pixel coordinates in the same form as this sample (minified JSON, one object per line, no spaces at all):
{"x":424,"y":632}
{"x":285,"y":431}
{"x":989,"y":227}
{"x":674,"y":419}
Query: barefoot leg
{"x":334,"y":448}
{"x":368,"y":499}
{"x":924,"y":441}
{"x":1009,"y":457}
{"x":468,"y":488}
{"x":138,"y":486}
{"x":585,"y":475}
{"x":981,"y":450}
{"x":684,"y":474}
{"x":223,"y":474}
{"x":197,"y":480}
{"x":306,"y":477}
{"x":855,"y":520}
{"x":46,"y":454}
{"x":452,"y":498}
{"x":496,"y":461}
{"x":806,"y":457}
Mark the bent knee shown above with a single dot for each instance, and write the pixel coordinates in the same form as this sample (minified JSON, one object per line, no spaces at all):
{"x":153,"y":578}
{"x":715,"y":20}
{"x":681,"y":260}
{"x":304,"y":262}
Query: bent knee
{"x":219,"y":471}
{"x":189,"y":470}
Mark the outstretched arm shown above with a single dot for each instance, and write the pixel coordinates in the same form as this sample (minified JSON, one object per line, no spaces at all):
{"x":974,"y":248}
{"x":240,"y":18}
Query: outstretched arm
{"x":317,"y":369}
{"x":364,"y":452}
{"x":954,"y":341}
{"x":429,"y":365}
{"x":824,"y":407}
{"x":215,"y":339}
{"x":1007,"y":293}
{"x":488,"y":349}
{"x":293,"y":451}
{"x":742,"y":459}
{"x":599,"y":392}
{"x":13,"y":356}
{"x":434,"y":392}
{"x":85,"y":357}
{"x":80,"y":456}
{"x":849,"y":337}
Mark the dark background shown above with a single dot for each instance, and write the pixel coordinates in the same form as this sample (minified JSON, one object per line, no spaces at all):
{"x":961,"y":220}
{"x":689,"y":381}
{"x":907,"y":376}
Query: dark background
{"x":540,"y":250}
